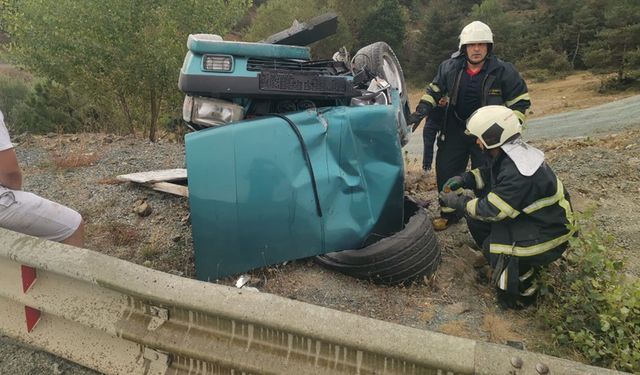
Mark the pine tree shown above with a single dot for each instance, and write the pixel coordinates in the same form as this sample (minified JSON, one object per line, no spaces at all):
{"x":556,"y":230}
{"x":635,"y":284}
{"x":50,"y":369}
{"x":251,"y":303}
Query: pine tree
{"x":616,"y":47}
{"x":438,"y":39}
{"x":386,"y":23}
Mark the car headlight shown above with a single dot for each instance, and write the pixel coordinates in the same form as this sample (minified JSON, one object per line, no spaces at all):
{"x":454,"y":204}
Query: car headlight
{"x":210,"y":112}
{"x":217,"y":63}
{"x":187,"y":108}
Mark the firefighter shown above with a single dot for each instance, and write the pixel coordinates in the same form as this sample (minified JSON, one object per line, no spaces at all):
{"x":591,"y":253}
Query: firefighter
{"x":525,"y":220}
{"x":472,"y":78}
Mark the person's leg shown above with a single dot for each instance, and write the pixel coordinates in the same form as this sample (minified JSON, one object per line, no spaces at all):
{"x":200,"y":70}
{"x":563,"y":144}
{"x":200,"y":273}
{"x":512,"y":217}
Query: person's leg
{"x":480,"y":232}
{"x":77,"y":238}
{"x":31,"y":214}
{"x":451,"y":160}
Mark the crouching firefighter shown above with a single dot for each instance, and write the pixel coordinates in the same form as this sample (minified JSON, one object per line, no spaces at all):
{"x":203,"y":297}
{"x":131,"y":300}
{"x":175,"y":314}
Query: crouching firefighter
{"x":522,"y":218}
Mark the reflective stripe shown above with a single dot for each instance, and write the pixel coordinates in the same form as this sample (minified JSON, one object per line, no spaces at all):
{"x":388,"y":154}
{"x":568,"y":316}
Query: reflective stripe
{"x":447,"y":210}
{"x":429,"y":99}
{"x":478,"y":177}
{"x":527,"y":274}
{"x":521,"y":116}
{"x":525,"y":251}
{"x":502,"y":205}
{"x":434,"y":87}
{"x":524,"y":96}
{"x":548,"y":201}
{"x":522,"y":251}
{"x":472,"y":206}
{"x":530,"y":291}
{"x":502,"y":282}
{"x":473,"y":212}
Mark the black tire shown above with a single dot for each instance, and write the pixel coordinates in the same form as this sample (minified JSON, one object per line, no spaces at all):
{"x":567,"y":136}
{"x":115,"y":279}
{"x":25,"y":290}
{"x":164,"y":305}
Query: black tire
{"x":380,"y":60}
{"x":402,"y":257}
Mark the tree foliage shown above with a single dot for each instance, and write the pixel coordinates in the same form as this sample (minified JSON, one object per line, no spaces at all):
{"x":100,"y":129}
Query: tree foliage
{"x":616,"y":47}
{"x":387,"y":22}
{"x":124,"y":56}
{"x":438,"y":38}
{"x":592,"y":307}
{"x":127,"y":51}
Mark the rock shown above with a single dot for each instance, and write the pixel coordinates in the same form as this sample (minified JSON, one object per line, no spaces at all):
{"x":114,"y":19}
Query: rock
{"x":147,"y":263}
{"x":476,"y":257}
{"x":142,"y":208}
{"x":459,"y":308}
{"x":176,"y":272}
{"x":176,"y":238}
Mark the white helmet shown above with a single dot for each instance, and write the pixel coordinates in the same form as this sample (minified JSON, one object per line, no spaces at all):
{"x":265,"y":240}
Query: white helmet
{"x":493,"y":125}
{"x":475,"y":32}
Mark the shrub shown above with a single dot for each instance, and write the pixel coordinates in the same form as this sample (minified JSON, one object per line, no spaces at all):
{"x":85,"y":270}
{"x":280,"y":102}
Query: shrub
{"x":51,"y":107}
{"x":13,"y":90}
{"x":592,"y":306}
{"x":546,"y":64}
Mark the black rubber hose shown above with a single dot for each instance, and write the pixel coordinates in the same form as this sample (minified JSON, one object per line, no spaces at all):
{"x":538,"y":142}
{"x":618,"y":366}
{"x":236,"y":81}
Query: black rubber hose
{"x":305,"y":154}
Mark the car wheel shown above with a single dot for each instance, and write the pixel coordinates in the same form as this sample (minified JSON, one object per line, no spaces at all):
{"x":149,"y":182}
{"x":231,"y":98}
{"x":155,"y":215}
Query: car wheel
{"x":380,"y":60}
{"x":402,"y":257}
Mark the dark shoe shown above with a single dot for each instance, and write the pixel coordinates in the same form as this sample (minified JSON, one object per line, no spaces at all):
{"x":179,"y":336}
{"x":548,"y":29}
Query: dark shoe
{"x":510,"y":302}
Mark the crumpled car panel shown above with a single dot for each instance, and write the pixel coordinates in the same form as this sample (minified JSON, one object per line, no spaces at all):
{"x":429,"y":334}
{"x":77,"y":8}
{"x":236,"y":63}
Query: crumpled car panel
{"x":252,"y":197}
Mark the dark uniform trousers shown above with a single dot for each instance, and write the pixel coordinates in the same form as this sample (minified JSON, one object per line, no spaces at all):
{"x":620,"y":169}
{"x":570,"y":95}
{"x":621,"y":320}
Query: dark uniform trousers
{"x":453,"y":156}
{"x":526,"y":269}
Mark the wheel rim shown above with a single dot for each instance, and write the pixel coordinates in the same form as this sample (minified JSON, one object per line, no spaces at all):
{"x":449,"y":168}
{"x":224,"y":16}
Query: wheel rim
{"x":392,"y":74}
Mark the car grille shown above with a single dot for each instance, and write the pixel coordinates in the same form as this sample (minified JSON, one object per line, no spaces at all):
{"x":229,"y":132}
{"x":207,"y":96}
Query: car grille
{"x":257,"y":65}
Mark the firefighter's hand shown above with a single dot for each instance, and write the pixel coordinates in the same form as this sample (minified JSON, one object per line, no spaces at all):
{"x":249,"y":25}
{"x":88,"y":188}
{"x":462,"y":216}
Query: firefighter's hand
{"x":454,"y":200}
{"x":414,"y":119}
{"x":453,"y":184}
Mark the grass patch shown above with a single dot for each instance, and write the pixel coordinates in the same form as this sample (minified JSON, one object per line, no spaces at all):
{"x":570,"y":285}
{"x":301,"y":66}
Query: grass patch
{"x":75,"y":160}
{"x":591,"y":306}
{"x":123,"y":234}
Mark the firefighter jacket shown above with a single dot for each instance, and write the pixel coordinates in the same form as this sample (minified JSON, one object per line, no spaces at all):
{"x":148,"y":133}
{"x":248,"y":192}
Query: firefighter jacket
{"x":502,"y":85}
{"x":529,"y":215}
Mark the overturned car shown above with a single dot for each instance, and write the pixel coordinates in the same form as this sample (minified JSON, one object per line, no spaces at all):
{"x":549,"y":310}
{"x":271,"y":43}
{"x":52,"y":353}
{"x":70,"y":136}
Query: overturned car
{"x":293,"y":157}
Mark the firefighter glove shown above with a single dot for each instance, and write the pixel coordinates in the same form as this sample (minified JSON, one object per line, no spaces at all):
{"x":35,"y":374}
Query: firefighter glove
{"x":418,"y":115}
{"x":453,"y":184}
{"x":454,"y":200}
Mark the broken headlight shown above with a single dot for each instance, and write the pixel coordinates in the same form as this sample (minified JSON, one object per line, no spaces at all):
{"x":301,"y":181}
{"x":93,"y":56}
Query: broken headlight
{"x":210,"y":112}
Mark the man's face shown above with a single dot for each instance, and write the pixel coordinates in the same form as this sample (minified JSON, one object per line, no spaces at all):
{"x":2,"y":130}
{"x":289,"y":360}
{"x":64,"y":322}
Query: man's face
{"x":477,"y":52}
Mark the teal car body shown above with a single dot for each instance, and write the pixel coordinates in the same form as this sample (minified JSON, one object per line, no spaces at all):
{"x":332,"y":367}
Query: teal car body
{"x":313,"y":166}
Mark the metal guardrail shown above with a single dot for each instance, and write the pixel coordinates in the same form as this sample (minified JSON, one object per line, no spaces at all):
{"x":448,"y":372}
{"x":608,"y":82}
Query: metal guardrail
{"x":121,"y":318}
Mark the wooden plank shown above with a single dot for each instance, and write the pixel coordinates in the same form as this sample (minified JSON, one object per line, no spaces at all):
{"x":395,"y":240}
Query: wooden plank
{"x":155,"y":176}
{"x":168,"y":187}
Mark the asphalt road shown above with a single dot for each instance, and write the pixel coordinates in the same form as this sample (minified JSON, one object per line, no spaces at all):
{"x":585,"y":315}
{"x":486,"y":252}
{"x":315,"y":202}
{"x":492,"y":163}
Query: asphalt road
{"x":605,"y":118}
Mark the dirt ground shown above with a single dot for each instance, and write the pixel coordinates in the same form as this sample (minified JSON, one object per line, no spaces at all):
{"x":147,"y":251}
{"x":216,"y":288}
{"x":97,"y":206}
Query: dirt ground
{"x":80,"y":170}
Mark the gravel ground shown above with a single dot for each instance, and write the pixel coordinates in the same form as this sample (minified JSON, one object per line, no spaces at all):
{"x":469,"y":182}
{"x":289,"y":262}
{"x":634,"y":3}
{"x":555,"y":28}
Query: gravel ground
{"x":80,"y":170}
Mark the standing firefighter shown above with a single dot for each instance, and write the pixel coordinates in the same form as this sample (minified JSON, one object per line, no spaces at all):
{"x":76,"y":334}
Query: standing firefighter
{"x":525,"y":220}
{"x":472,"y":78}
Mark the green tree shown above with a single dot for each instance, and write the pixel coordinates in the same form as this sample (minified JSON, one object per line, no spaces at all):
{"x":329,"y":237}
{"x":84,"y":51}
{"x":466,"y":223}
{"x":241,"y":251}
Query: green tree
{"x":617,"y":45}
{"x":128,"y":52}
{"x":507,"y":28}
{"x":13,"y":90}
{"x":438,"y":39}
{"x":387,"y":23}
